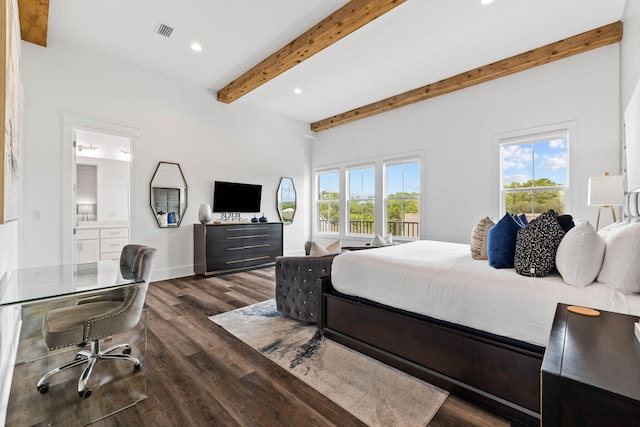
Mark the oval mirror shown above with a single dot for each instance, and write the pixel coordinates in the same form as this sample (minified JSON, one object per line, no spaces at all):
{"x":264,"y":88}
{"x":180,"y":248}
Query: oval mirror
{"x":286,"y":200}
{"x":168,"y":194}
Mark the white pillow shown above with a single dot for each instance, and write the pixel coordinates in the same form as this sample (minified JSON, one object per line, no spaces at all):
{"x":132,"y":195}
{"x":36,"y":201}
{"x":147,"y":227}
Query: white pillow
{"x":319,"y":250}
{"x":621,"y":266}
{"x":378,"y":240}
{"x":580,"y":254}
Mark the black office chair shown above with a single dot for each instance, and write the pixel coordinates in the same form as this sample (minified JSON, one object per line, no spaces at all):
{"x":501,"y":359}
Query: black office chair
{"x":94,"y":318}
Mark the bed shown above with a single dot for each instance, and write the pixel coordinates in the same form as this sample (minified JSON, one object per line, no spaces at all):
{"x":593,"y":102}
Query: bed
{"x":429,"y":309}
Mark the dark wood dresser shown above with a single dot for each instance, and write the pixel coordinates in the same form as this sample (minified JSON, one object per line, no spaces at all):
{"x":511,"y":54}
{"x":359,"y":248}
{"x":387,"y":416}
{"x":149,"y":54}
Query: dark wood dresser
{"x":223,"y":248}
{"x":591,"y":371}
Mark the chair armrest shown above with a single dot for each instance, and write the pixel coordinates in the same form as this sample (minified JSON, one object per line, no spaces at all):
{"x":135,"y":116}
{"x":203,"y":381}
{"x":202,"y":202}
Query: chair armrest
{"x":298,"y":289}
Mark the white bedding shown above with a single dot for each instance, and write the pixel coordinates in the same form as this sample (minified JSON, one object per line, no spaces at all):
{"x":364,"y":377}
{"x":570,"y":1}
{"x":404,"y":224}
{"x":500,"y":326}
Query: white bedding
{"x":441,"y":280}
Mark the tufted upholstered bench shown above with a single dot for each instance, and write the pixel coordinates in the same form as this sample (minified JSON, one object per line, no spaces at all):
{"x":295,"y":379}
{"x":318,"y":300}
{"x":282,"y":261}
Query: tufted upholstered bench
{"x":298,"y":285}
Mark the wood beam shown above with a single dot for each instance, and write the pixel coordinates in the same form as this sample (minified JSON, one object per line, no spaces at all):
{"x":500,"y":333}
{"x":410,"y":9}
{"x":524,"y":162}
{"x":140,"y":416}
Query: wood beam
{"x":580,"y":43}
{"x":34,"y":21}
{"x":334,"y":27}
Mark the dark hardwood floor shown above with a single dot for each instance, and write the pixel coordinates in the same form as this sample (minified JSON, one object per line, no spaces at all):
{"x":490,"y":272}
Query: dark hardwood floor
{"x":200,"y":375}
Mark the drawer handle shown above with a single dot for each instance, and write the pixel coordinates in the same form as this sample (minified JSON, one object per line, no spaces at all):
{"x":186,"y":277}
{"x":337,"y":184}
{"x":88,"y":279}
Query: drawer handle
{"x":239,"y":248}
{"x":255,"y":236}
{"x":246,"y":259}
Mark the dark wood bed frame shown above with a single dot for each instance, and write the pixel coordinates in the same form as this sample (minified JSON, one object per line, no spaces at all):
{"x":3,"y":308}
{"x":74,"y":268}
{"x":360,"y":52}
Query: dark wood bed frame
{"x":497,"y":373}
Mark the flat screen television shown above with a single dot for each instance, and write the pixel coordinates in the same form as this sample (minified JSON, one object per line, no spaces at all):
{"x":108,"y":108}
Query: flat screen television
{"x":236,"y":197}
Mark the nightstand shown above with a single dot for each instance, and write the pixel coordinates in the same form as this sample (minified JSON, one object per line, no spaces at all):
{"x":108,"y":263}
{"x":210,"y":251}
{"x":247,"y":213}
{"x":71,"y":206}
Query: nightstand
{"x":591,"y":371}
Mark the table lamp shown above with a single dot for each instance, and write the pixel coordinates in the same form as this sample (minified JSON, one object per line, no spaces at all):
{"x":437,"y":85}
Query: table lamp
{"x":606,"y":191}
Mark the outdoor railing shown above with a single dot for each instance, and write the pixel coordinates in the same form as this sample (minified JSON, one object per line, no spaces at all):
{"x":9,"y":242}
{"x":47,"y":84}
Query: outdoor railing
{"x":396,"y":228}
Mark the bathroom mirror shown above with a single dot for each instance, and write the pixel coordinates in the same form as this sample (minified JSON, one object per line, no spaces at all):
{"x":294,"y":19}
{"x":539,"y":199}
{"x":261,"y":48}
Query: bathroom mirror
{"x":286,"y":198}
{"x":168,"y":194}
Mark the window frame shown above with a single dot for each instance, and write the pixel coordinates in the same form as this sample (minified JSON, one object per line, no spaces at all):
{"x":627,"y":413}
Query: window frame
{"x":385,"y":199}
{"x":318,"y":201}
{"x":347,"y":210}
{"x":565,"y":130}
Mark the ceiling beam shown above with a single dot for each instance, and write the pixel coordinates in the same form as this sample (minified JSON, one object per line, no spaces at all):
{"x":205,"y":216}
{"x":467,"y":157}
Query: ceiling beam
{"x":580,"y":43}
{"x":34,"y":21}
{"x":342,"y":22}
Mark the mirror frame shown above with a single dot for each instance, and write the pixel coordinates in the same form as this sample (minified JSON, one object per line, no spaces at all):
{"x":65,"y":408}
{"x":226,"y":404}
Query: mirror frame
{"x":185,"y":191}
{"x":279,"y":200}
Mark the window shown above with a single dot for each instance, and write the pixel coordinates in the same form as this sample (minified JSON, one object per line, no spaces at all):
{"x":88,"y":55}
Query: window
{"x":402,"y":191}
{"x":328,"y":202}
{"x":534,"y":174}
{"x":361,"y":201}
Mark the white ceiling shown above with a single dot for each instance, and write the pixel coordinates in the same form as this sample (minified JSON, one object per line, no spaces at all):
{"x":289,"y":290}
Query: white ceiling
{"x":417,"y":43}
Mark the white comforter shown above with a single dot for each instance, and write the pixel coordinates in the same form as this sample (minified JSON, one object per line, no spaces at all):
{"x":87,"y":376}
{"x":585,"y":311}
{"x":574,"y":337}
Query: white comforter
{"x":441,"y":280}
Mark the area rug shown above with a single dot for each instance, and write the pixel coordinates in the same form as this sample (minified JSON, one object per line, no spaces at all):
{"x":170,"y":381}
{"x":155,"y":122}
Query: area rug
{"x":373,"y":392}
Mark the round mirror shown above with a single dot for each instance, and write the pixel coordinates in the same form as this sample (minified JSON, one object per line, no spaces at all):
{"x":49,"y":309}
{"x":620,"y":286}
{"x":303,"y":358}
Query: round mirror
{"x":286,"y":200}
{"x":168,"y":194}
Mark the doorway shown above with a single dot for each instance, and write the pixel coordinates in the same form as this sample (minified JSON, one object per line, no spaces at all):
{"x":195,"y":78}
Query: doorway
{"x":97,"y":189}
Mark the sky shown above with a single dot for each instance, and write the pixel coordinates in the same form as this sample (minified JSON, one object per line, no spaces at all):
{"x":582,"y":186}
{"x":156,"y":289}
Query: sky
{"x":544,"y":159}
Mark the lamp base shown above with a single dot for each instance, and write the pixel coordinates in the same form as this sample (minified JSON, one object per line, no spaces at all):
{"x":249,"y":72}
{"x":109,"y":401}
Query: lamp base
{"x":613,"y":214}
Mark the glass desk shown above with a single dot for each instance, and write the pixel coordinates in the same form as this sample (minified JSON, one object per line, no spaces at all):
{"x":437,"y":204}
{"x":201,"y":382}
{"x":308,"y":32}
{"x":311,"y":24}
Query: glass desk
{"x":24,"y":300}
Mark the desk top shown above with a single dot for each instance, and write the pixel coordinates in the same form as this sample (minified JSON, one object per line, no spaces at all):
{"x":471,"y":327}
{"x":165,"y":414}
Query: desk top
{"x":38,"y":283}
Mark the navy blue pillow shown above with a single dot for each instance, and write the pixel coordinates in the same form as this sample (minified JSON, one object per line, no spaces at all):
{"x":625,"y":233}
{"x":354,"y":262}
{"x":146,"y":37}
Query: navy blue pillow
{"x":501,"y":244}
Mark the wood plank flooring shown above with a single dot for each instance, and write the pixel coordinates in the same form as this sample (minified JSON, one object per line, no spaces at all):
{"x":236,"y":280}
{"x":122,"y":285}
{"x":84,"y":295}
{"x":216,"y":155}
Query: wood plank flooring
{"x":200,"y":375}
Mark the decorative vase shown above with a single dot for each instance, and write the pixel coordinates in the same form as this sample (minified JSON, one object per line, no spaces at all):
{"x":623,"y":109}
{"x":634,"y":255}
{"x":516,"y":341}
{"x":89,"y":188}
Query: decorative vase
{"x":204,"y":213}
{"x":263,"y":218}
{"x":254,"y":219}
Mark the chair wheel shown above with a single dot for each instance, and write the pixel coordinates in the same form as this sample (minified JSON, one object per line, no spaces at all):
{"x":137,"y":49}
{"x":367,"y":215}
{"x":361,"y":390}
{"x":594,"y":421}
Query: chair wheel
{"x":85,"y":393}
{"x":44,"y":388}
{"x":137,"y":367}
{"x":127,"y":350}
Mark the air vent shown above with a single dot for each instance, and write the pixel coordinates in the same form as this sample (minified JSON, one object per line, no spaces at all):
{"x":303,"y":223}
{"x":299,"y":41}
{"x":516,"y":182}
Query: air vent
{"x":164,"y":30}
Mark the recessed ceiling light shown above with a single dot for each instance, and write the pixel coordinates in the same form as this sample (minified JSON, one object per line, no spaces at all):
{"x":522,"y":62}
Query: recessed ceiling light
{"x":196,"y":47}
{"x":487,"y":1}
{"x":297,"y":91}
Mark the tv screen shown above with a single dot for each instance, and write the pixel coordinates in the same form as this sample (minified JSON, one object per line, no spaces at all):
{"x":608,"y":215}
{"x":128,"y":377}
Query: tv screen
{"x":236,"y":197}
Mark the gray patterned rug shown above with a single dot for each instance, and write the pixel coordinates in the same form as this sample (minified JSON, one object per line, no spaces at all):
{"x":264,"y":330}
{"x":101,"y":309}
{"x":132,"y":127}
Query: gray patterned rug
{"x":372,"y":391}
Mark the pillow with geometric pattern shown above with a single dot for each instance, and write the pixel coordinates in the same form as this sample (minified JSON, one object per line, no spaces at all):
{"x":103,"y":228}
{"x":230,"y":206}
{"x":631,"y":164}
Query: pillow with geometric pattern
{"x":537,"y":244}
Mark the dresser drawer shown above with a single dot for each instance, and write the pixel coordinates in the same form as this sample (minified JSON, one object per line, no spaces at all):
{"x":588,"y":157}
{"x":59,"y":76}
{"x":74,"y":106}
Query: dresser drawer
{"x":110,"y":233}
{"x":87,"y":234}
{"x":113,"y":245}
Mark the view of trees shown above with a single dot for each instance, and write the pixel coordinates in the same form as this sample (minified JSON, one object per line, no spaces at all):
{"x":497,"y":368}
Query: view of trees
{"x":362,"y":212}
{"x":543,"y":199}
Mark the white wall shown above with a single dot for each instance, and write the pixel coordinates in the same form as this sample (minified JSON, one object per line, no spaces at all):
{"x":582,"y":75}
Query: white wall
{"x":112,"y":187}
{"x":456,"y":133}
{"x":177,"y":122}
{"x":629,"y":48}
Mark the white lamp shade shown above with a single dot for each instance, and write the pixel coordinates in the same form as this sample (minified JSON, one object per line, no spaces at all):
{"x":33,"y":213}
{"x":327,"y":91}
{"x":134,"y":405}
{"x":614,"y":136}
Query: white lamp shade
{"x":85,"y":208}
{"x":606,"y":190}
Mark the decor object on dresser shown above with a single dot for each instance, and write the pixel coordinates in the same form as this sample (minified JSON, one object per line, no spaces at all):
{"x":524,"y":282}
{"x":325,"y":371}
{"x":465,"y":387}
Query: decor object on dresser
{"x":606,"y":191}
{"x":286,"y":200}
{"x":96,"y":318}
{"x":168,"y":194}
{"x":204,"y":213}
{"x":226,"y":247}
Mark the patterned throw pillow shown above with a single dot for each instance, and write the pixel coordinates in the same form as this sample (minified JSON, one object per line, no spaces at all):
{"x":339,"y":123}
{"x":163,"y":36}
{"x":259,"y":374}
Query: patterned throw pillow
{"x":479,"y":237}
{"x":537,"y":244}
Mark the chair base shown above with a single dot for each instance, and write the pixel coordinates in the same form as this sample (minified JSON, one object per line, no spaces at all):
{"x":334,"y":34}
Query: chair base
{"x":90,"y":358}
